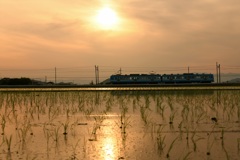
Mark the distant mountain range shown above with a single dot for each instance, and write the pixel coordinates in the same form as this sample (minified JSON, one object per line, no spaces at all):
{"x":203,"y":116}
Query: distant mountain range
{"x":229,"y":77}
{"x":236,"y":80}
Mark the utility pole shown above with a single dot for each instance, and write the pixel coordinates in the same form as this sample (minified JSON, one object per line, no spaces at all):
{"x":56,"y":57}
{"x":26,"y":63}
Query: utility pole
{"x":96,"y":74}
{"x":217,"y":71}
{"x":55,"y":75}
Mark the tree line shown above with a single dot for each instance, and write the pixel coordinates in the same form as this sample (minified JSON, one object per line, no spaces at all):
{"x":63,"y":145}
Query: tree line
{"x":16,"y":81}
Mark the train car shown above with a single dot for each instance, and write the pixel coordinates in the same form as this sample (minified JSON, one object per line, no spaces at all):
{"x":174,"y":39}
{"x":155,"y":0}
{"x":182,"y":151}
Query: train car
{"x":203,"y":78}
{"x":187,"y":78}
{"x":136,"y":79}
{"x":165,"y":78}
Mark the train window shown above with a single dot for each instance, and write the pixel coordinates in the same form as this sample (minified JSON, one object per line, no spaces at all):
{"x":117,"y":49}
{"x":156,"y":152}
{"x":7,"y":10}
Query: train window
{"x":165,"y":77}
{"x":134,"y":78}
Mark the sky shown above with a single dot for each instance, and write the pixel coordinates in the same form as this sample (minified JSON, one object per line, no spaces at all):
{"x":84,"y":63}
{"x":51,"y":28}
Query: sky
{"x":159,"y":35}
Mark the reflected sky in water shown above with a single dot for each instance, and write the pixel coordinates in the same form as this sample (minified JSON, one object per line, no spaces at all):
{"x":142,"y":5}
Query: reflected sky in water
{"x":153,"y":121}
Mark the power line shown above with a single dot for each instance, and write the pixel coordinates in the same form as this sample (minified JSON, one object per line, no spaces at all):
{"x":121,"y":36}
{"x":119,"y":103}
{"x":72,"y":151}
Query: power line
{"x":86,"y":73}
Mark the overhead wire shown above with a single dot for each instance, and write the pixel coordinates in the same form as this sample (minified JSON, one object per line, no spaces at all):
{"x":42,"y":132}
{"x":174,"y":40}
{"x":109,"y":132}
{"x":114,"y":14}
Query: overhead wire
{"x":87,"y":72}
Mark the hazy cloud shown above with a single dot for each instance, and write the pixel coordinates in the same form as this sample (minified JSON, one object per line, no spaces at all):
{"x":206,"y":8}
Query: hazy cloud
{"x":153,"y":33}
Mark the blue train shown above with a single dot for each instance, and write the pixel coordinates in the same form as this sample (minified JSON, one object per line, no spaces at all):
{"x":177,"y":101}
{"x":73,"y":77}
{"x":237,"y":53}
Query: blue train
{"x":165,"y":78}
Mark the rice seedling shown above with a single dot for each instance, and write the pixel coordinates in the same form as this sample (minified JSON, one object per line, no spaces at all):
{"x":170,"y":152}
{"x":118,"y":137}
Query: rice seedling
{"x":73,"y":127}
{"x":226,"y":153}
{"x":52,"y":114}
{"x":3,"y":124}
{"x":124,"y":110}
{"x":8,"y":142}
{"x":96,"y":126}
{"x":238,"y":110}
{"x":74,"y":147}
{"x":223,"y":147}
{"x":187,"y":155}
{"x":209,"y":146}
{"x":125,"y":122}
{"x":109,"y":105}
{"x":222,"y":137}
{"x":180,"y":126}
{"x":31,"y":111}
{"x":170,"y":147}
{"x":23,"y":131}
{"x":171,"y":117}
{"x":184,"y":127}
{"x":134,"y":104}
{"x":88,"y":111}
{"x":238,"y":144}
{"x":159,"y":101}
{"x":192,"y":112}
{"x":195,"y":140}
{"x":65,"y":127}
{"x":144,"y":114}
{"x":160,"y":107}
{"x":84,"y":146}
{"x":200,"y":117}
{"x":48,"y":135}
{"x":55,"y":134}
{"x":147,"y":101}
{"x":67,"y":113}
{"x":185,"y":112}
{"x":161,"y":143}
{"x":170,"y":103}
{"x":94,"y":133}
{"x":160,"y":139}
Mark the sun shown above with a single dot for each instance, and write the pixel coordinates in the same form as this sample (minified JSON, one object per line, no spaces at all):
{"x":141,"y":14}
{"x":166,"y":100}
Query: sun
{"x":107,"y":18}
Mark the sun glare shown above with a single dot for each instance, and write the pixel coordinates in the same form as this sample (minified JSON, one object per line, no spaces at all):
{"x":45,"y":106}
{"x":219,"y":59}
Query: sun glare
{"x":107,"y":18}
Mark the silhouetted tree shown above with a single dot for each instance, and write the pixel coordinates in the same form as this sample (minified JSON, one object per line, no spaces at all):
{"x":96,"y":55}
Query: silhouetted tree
{"x":15,"y":81}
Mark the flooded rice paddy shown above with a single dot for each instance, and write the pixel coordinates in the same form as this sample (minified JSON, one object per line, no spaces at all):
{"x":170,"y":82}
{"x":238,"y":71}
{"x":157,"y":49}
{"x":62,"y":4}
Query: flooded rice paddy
{"x":114,"y":125}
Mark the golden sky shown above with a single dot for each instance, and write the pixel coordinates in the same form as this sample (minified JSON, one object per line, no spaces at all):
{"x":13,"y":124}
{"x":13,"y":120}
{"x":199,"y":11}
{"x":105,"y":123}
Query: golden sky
{"x":159,"y":33}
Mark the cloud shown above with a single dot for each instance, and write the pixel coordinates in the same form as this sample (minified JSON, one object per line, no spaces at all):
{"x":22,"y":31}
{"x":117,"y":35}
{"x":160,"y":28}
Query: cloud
{"x":153,"y":33}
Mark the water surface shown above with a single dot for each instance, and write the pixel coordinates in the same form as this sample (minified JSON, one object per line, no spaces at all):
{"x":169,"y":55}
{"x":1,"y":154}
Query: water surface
{"x":110,"y":125}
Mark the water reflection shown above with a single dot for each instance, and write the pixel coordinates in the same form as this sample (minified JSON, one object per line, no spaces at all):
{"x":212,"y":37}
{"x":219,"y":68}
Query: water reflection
{"x":109,"y":148}
{"x":108,"y":144}
{"x":111,"y":125}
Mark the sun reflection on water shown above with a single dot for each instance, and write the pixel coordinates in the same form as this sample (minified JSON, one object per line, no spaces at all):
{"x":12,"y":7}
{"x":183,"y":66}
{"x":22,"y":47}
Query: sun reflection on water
{"x":109,"y":143}
{"x":109,"y":152}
